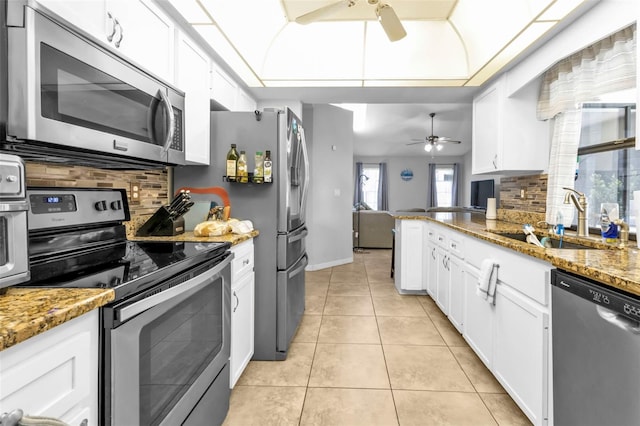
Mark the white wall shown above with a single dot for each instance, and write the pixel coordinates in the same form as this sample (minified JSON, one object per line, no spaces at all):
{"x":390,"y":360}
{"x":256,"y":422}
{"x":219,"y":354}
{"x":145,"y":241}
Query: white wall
{"x":411,"y":194}
{"x":329,"y":211}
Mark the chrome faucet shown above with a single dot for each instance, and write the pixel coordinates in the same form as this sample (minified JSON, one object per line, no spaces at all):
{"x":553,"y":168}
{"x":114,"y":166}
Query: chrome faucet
{"x":580,"y":201}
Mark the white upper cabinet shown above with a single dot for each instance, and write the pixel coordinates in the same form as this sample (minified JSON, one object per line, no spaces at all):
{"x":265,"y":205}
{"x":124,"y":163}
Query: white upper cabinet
{"x":192,"y":76}
{"x":223,"y":88}
{"x":245,"y":102}
{"x":89,"y":16}
{"x":506,"y":136}
{"x":143,"y":33}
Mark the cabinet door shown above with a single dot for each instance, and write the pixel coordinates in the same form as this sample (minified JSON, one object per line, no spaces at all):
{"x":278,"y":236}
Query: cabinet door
{"x":486,"y":131}
{"x":242,"y":327}
{"x":245,"y":102}
{"x":147,"y":35}
{"x":409,"y":246}
{"x":456,"y":293}
{"x":223,"y":88}
{"x":478,"y":318}
{"x":521,"y":351}
{"x":432,"y":277}
{"x":89,"y":16}
{"x":54,"y":374}
{"x":442,"y":280}
{"x":192,"y":76}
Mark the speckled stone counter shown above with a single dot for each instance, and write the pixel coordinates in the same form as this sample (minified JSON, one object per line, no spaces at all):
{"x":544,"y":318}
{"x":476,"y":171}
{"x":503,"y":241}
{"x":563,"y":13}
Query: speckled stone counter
{"x":188,"y":236}
{"x":611,"y":265}
{"x":25,"y":312}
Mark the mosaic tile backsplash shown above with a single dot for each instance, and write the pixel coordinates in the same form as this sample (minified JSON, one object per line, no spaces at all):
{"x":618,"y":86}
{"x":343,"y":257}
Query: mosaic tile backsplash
{"x":534,"y":189}
{"x":153,"y":185}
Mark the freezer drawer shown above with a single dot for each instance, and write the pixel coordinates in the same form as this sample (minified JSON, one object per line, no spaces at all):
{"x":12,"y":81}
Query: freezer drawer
{"x":290,"y":304}
{"x":291,"y":247}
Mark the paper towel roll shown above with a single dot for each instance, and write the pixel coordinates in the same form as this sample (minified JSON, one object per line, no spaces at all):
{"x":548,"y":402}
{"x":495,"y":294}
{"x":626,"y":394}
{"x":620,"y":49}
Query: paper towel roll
{"x":491,"y":208}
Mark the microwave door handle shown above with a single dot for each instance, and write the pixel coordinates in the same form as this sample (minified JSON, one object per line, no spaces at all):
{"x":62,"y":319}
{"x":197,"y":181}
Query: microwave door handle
{"x":171,"y":122}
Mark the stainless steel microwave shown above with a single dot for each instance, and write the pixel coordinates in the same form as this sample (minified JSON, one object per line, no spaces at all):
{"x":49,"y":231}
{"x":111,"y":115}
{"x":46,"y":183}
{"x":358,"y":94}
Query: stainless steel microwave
{"x":70,"y":96}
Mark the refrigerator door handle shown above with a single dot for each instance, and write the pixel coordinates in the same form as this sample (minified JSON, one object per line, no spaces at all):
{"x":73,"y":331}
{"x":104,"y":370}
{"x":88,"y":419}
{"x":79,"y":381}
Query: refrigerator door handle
{"x":305,"y":190}
{"x":298,"y":236}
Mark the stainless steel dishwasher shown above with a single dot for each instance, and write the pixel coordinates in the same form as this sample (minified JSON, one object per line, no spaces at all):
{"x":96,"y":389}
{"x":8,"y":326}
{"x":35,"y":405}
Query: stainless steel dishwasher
{"x":596,"y":353}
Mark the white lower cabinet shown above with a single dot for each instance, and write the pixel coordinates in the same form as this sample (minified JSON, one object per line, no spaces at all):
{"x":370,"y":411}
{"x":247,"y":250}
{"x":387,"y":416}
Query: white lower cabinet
{"x":456,"y":292}
{"x":409,"y":246}
{"x":521,"y":351}
{"x":242,"y":309}
{"x":442,"y":280}
{"x":432,"y":270}
{"x":478,"y":318}
{"x":55,"y":373}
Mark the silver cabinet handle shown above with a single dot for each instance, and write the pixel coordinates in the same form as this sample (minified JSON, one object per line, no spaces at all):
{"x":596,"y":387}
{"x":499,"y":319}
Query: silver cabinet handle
{"x":117,"y":43}
{"x":433,"y":253}
{"x":113,"y":27}
{"x":245,"y":262}
{"x":171,"y":122}
{"x":495,"y":161}
{"x":237,"y":301}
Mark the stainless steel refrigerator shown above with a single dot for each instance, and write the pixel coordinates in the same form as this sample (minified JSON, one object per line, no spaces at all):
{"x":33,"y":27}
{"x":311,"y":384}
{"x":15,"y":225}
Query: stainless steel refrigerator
{"x":276,"y":209}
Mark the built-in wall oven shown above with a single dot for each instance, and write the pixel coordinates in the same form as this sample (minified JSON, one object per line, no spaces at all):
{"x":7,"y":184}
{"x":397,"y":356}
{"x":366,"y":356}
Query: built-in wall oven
{"x":14,"y":262}
{"x":71,"y":96}
{"x":165,"y":338}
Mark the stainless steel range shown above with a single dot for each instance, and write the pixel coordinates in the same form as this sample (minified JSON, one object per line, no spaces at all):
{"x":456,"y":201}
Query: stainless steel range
{"x":165,"y":338}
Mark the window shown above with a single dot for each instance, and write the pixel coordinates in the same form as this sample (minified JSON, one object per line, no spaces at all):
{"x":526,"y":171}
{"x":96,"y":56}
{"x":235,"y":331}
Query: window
{"x":370,"y":184}
{"x":444,"y":185}
{"x":608,"y":169}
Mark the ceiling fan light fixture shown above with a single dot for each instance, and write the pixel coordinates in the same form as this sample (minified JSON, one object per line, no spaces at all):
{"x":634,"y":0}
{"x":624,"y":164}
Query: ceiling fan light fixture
{"x":390,"y":22}
{"x":439,"y":147}
{"x":428,"y":147}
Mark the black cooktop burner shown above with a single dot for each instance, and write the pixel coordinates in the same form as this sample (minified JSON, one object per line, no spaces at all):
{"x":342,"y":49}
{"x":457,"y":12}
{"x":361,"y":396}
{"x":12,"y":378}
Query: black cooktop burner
{"x":128,"y":266}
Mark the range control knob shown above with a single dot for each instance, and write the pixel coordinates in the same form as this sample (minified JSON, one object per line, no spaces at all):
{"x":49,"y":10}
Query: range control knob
{"x":101,"y":205}
{"x":116,"y":205}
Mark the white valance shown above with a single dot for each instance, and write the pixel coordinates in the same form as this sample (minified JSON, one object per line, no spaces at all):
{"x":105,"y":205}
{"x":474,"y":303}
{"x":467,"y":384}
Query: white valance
{"x":606,"y":66}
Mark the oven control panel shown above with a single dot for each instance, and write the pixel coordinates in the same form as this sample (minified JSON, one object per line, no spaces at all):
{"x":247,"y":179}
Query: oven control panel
{"x":61,"y":207}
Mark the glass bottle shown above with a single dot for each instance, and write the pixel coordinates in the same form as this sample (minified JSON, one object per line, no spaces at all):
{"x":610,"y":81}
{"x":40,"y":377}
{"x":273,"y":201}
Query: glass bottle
{"x":232,"y":163}
{"x":267,"y":167}
{"x":258,"y":170}
{"x":243,"y":174}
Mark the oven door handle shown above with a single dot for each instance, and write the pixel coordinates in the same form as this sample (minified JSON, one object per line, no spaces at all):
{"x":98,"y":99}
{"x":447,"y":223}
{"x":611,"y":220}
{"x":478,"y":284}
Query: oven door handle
{"x":127,"y":312}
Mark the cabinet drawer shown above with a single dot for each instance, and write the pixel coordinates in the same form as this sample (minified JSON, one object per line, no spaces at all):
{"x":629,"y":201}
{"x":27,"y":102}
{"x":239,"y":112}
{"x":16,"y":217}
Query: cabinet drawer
{"x":242,"y":262}
{"x":441,"y":239}
{"x":456,"y":246}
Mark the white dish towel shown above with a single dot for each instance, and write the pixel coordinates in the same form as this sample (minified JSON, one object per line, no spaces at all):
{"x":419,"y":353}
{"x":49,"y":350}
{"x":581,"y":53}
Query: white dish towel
{"x":487,"y":280}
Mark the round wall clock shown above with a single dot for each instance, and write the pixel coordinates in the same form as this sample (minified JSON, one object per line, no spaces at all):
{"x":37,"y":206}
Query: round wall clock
{"x":406,"y":174}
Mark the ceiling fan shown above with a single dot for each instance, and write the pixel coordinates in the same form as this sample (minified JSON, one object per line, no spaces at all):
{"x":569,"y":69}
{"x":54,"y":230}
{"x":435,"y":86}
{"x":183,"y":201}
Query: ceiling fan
{"x":385,"y":13}
{"x":433,"y":141}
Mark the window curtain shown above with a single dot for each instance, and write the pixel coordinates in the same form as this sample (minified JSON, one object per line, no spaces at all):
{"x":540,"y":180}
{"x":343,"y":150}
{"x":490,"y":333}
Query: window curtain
{"x":606,"y":66}
{"x":454,"y":185}
{"x":357,"y":188}
{"x":383,"y":198}
{"x":432,"y":190}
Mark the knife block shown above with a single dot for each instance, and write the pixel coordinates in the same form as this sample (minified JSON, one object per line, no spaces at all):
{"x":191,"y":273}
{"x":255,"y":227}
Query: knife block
{"x":160,"y":224}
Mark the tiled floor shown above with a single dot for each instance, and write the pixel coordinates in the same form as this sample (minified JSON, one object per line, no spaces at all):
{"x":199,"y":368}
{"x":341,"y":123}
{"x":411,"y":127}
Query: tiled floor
{"x":364,"y":355}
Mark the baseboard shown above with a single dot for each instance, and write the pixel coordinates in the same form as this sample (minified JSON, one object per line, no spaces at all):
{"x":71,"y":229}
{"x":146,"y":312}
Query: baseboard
{"x":329,"y":264}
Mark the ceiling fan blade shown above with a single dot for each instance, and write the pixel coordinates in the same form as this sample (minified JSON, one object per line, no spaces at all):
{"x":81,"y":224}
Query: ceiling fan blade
{"x":415,"y":143}
{"x":390,"y":22}
{"x":324,"y":11}
{"x":418,"y":139}
{"x":443,"y":140}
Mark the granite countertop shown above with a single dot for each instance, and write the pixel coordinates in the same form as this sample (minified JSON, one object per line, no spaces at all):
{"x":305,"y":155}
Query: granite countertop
{"x":25,"y":312}
{"x":188,"y":236}
{"x":611,"y":265}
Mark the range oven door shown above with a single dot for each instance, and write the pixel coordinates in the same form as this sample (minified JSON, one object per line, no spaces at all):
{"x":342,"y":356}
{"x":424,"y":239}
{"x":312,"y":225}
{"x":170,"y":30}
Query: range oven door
{"x":68,"y":90}
{"x":167,"y":349}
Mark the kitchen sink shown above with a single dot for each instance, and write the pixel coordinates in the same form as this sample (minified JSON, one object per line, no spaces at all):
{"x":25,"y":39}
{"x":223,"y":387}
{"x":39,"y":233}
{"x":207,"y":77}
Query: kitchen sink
{"x":521,"y":236}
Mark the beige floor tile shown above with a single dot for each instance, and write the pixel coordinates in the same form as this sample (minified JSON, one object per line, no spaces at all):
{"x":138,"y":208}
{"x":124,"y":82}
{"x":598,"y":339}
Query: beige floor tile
{"x":349,"y":366}
{"x":294,"y":371}
{"x":425,"y":368}
{"x":354,"y":277}
{"x":430,"y":306}
{"x":379,"y":276}
{"x":348,"y":305}
{"x":263,"y":406}
{"x":422,"y":408}
{"x":383,"y":289}
{"x":409,"y":331}
{"x":448,"y":332}
{"x":314,"y":305}
{"x":322,"y":275}
{"x":349,"y":329}
{"x":403,"y":306}
{"x":316,"y":288}
{"x":481,"y":378}
{"x":353,"y":407}
{"x":348,"y":289}
{"x":308,"y":329}
{"x":505,"y":411}
{"x":349,"y":267}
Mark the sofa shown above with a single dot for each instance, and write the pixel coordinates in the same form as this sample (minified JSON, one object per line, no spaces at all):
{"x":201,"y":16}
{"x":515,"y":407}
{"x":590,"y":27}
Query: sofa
{"x":375,"y":229}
